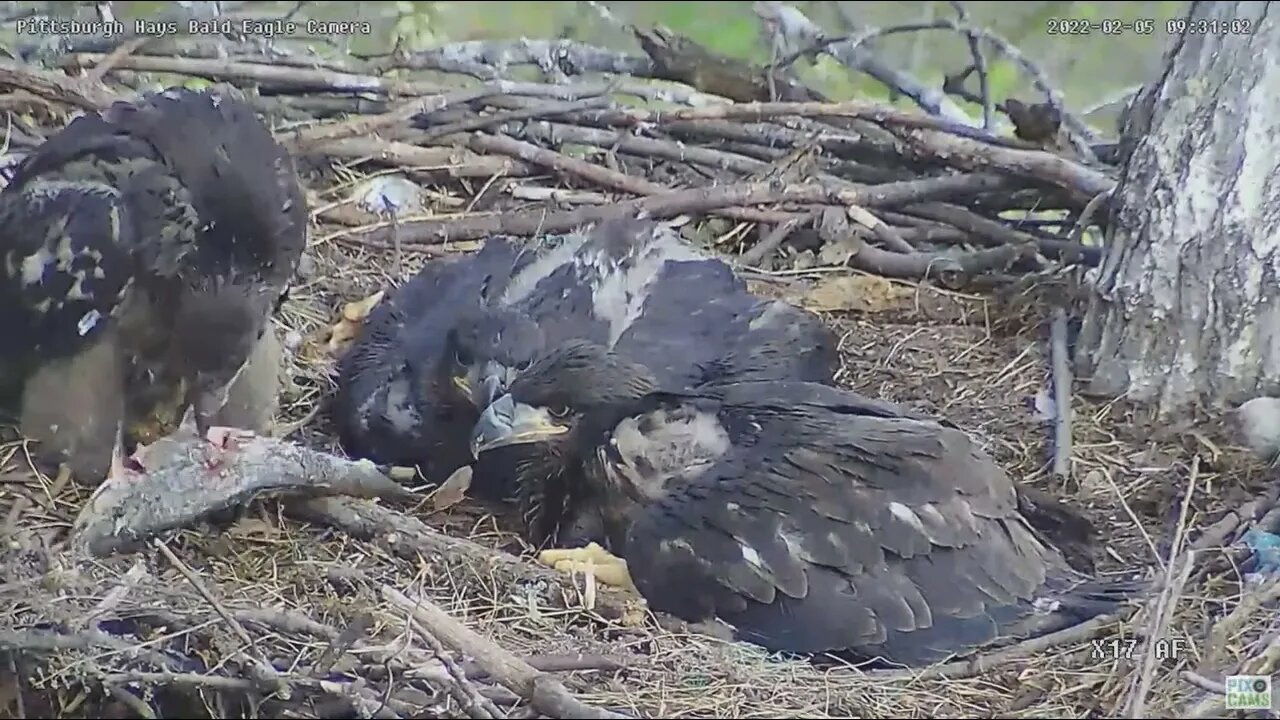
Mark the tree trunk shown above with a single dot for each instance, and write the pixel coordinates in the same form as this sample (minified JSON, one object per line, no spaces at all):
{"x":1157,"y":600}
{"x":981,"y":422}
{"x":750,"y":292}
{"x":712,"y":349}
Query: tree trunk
{"x":1186,"y":311}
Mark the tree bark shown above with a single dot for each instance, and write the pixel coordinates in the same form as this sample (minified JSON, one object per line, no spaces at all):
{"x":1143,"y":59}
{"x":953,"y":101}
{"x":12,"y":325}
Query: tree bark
{"x":1186,"y":311}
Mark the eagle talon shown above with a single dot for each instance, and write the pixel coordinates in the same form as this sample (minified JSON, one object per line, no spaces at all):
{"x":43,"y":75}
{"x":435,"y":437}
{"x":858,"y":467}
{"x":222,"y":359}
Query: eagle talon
{"x":605,"y":566}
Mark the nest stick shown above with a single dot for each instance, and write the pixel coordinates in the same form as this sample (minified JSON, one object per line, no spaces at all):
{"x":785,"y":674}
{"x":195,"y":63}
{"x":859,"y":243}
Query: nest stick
{"x":485,"y":59}
{"x":20,"y":505}
{"x":597,"y":174}
{"x":979,"y":64}
{"x":530,"y":222}
{"x":543,"y":691}
{"x":125,"y":49}
{"x":264,"y":669}
{"x":223,"y":69}
{"x":775,"y":238}
{"x":1061,"y":392}
{"x":462,"y":689}
{"x":402,"y":113}
{"x":539,"y":111}
{"x":56,"y":86}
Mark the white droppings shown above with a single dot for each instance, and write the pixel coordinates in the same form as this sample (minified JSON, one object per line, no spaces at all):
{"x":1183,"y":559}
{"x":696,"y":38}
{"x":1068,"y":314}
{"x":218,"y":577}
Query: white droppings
{"x":1258,"y":423}
{"x":88,"y":322}
{"x":389,"y":195}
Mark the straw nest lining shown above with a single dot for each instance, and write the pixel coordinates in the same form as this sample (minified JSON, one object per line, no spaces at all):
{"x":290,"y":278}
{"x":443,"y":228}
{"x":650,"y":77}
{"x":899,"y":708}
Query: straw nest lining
{"x":330,"y":607}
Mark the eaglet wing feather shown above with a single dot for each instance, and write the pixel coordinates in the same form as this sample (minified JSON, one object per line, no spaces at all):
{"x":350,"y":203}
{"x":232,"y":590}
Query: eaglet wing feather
{"x":242,"y":182}
{"x":906,"y":536}
{"x":89,"y":215}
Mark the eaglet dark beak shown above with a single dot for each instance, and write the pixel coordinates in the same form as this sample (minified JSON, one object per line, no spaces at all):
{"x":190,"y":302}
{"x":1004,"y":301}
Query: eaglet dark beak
{"x":207,"y":395}
{"x":507,"y":422}
{"x":485,"y":383}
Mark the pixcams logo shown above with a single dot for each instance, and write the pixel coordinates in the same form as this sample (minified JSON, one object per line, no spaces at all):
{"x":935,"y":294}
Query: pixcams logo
{"x":1248,"y":692}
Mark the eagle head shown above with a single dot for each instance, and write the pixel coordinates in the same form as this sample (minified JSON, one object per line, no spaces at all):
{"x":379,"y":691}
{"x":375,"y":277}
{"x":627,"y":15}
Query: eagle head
{"x":555,"y":412}
{"x":485,"y":349}
{"x":217,"y":328}
{"x":549,"y":399}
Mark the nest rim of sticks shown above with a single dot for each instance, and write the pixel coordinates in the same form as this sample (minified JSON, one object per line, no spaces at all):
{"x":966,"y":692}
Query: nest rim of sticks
{"x":863,"y":206}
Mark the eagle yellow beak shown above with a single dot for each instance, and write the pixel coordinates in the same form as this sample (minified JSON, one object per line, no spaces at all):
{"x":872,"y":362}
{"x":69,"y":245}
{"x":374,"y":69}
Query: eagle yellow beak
{"x":507,"y":422}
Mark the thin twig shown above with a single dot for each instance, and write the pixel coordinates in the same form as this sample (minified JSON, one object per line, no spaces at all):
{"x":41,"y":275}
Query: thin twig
{"x":127,"y":48}
{"x":1061,"y":368}
{"x":264,"y":667}
{"x":1166,"y":603}
{"x":979,"y":66}
{"x":472,"y":702}
{"x":399,"y":114}
{"x":543,"y":691}
{"x":115,"y":596}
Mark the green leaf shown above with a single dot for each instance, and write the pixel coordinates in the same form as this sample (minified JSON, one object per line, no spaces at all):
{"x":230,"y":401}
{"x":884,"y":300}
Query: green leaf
{"x":1002,"y":78}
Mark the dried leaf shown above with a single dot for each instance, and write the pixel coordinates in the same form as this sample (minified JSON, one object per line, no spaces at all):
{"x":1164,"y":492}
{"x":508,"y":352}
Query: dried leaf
{"x":359,"y":310}
{"x":454,"y":490}
{"x":865,"y":293}
{"x":348,"y":326}
{"x":341,"y":336}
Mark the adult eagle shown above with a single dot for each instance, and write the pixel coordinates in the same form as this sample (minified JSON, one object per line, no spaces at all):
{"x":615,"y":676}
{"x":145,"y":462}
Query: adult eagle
{"x":806,"y":517}
{"x":439,"y":348}
{"x":143,"y":250}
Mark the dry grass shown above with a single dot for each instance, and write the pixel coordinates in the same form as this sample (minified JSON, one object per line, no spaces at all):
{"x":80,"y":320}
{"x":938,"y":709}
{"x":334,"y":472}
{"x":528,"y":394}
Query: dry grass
{"x":292,"y":586}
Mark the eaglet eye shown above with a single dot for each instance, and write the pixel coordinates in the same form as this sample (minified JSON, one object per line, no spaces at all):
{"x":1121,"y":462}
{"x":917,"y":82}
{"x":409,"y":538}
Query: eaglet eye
{"x":559,"y":412}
